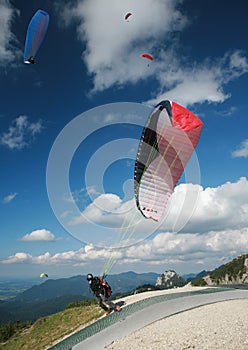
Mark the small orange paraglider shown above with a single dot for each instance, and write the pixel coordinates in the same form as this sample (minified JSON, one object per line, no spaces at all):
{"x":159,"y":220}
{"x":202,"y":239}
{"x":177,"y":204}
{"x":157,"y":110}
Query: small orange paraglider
{"x":148,"y":56}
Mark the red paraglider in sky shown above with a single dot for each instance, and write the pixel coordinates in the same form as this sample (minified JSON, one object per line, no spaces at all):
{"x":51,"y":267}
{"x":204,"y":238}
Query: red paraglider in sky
{"x":128,"y":15}
{"x":146,"y":55}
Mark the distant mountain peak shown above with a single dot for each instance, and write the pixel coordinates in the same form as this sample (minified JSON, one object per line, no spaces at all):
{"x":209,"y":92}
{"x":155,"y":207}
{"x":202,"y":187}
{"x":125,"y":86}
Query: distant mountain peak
{"x":170,"y":279}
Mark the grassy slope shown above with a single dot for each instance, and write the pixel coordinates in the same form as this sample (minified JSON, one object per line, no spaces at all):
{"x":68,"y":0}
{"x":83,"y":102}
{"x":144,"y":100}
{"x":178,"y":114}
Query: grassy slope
{"x":233,"y":269}
{"x":47,"y":330}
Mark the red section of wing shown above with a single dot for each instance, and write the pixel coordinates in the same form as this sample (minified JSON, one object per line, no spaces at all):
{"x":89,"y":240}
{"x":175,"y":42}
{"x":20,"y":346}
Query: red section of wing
{"x":183,"y":119}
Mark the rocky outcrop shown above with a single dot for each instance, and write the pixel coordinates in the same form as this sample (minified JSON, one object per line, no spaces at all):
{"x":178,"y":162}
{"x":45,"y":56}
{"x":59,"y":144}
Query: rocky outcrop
{"x":170,"y":279}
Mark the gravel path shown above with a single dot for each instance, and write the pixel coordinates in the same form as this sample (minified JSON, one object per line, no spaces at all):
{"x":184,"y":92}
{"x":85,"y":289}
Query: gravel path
{"x":223,"y":325}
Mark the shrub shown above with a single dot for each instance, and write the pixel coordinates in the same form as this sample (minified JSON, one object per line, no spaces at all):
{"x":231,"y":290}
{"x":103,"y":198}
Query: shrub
{"x":9,"y":329}
{"x":6,"y":331}
{"x":199,"y":282}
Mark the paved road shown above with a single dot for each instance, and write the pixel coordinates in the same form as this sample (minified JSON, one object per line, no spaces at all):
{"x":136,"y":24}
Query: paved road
{"x":141,"y":313}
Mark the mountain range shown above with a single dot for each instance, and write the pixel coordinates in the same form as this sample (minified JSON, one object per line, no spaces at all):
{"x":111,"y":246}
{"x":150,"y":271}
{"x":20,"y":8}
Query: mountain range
{"x":55,"y":294}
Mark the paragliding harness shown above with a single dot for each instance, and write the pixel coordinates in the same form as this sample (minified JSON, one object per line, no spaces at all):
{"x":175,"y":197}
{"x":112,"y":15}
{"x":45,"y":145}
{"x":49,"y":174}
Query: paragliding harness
{"x":31,"y":60}
{"x":102,"y":291}
{"x":100,"y":286}
{"x":104,"y":285}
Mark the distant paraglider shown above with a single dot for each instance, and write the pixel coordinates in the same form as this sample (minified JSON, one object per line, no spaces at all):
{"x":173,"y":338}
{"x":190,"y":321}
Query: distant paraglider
{"x":168,"y":140}
{"x":43,"y":275}
{"x":128,"y":15}
{"x":35,"y":35}
{"x":146,"y":55}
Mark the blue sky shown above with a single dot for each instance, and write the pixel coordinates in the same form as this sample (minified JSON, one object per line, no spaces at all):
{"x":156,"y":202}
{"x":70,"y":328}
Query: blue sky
{"x":70,"y":126}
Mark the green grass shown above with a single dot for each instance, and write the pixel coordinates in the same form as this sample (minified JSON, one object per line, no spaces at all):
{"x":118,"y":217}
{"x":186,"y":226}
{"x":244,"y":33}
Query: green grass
{"x":47,"y":330}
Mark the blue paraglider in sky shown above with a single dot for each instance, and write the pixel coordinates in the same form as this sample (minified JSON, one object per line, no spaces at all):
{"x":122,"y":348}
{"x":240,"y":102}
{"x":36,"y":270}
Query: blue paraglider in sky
{"x":35,"y":35}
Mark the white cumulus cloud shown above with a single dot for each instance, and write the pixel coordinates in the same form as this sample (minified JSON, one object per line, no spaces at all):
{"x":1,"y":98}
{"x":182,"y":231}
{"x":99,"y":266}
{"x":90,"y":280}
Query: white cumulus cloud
{"x":221,"y":208}
{"x":85,"y":255}
{"x":192,"y":209}
{"x":199,"y":82}
{"x":20,"y":257}
{"x":100,"y":209}
{"x":39,"y":235}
